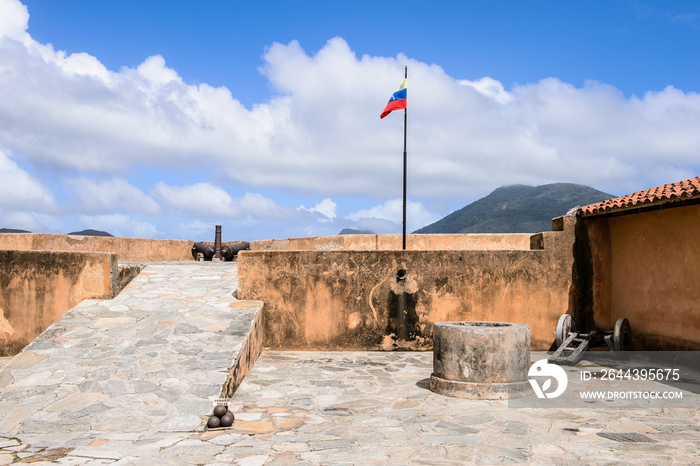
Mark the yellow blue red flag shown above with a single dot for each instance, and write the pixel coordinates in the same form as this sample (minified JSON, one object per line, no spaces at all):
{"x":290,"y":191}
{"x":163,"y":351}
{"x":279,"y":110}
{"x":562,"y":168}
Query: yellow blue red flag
{"x":397,"y":101}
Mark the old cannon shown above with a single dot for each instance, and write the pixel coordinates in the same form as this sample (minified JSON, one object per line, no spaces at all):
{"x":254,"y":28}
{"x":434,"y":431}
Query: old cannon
{"x":229,"y":251}
{"x":572,"y":344}
{"x":206,"y":250}
{"x":217,"y":252}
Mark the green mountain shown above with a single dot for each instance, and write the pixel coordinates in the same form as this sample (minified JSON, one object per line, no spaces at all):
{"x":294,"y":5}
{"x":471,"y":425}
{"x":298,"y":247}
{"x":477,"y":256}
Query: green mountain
{"x":352,"y":231}
{"x":13,"y":230}
{"x":91,"y":233}
{"x":517,"y":209}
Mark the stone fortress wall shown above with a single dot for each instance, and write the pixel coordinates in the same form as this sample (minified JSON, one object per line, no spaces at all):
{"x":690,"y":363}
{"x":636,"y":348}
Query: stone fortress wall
{"x":363,"y":292}
{"x":38,"y":287}
{"x":126,"y":249}
{"x":42,"y":276}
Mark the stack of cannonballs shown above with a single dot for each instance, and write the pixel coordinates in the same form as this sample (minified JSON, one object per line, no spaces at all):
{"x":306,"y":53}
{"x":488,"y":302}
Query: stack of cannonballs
{"x":222,"y":417}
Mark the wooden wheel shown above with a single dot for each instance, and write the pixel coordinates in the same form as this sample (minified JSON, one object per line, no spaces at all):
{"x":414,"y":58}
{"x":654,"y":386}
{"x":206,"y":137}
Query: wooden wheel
{"x":622,"y":335}
{"x":565,"y":327}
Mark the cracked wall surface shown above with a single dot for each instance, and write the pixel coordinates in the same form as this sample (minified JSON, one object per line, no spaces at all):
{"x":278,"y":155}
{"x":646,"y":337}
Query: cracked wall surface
{"x":38,"y":287}
{"x":346,"y":299}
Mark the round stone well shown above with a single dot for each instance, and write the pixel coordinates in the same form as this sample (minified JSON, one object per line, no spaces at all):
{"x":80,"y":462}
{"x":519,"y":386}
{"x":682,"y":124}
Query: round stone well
{"x":480,"y":360}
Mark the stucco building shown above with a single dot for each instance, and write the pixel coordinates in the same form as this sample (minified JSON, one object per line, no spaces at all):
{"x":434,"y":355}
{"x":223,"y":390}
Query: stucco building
{"x":644,"y":264}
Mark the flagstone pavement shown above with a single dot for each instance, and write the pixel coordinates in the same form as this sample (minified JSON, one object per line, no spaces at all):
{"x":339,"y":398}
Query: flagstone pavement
{"x":131,"y":380}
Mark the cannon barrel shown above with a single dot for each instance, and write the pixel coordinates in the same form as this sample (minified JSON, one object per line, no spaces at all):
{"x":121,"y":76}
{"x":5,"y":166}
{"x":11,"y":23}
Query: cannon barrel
{"x":229,"y":251}
{"x":217,"y":243}
{"x":207,"y":250}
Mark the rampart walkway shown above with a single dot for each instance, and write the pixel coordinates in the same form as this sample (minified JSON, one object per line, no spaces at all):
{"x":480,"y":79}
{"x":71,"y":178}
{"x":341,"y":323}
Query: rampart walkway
{"x":132,"y":370}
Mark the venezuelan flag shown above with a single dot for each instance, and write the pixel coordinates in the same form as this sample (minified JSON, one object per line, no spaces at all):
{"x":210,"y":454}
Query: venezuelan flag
{"x":397,"y":101}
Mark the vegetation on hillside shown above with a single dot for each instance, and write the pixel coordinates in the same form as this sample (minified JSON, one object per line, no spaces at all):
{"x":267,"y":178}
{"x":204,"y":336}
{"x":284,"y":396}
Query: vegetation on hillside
{"x":352,"y":231}
{"x":90,"y":232}
{"x":517,"y":209}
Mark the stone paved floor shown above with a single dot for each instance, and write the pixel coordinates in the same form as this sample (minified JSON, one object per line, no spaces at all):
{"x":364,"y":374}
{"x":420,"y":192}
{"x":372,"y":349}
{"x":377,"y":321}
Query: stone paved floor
{"x":121,"y":393}
{"x":376,"y":408}
{"x":119,"y":376}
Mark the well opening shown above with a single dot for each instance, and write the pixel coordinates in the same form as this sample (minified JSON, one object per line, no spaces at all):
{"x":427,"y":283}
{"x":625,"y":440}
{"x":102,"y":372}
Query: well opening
{"x":480,"y":360}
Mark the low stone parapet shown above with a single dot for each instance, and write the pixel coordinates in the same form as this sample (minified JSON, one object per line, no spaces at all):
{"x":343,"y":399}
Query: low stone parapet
{"x":128,"y":249}
{"x":38,"y":287}
{"x":480,"y":242}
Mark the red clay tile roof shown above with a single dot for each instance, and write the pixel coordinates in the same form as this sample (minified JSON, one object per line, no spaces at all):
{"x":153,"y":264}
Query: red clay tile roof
{"x":674,"y":192}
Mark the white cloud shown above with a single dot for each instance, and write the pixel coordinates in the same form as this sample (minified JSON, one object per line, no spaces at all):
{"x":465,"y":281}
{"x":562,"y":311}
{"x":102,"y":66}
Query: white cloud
{"x":21,"y":221}
{"x":326,"y":207}
{"x":196,"y":228}
{"x":153,"y":70}
{"x":120,"y":225}
{"x":417,"y":216}
{"x":144,"y":230}
{"x":490,"y":88}
{"x":20,"y":190}
{"x":13,"y":20}
{"x":260,"y":207}
{"x":201,"y":199}
{"x":464,"y":135}
{"x":53,"y":223}
{"x":378,"y":225}
{"x":112,"y":195}
{"x":69,"y":114}
{"x":209,"y":200}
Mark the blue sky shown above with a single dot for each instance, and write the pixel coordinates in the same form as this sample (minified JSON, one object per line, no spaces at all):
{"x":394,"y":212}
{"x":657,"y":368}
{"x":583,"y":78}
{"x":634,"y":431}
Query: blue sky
{"x":165,"y":118}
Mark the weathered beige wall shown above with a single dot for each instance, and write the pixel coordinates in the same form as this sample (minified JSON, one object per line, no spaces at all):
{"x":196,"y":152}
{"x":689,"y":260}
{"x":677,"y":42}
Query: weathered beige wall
{"x":38,"y":287}
{"x":479,"y":242}
{"x":128,"y":249}
{"x":645,"y":268}
{"x":350,"y":299}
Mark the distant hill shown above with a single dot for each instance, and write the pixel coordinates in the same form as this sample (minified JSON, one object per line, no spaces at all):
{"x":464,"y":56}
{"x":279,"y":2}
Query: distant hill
{"x":91,"y":233}
{"x":517,"y":209}
{"x":12,"y":230}
{"x":351,"y":231}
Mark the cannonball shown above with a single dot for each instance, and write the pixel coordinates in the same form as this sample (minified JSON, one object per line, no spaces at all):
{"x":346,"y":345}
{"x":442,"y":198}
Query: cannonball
{"x":220,"y":410}
{"x":227,"y":419}
{"x":213,"y":422}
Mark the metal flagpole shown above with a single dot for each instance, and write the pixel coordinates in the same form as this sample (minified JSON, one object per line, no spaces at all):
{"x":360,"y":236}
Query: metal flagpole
{"x":405,"y":119}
